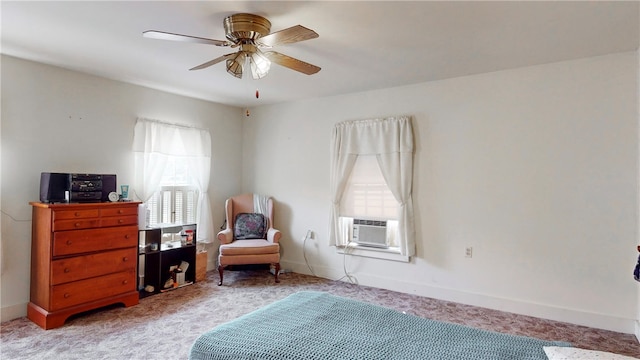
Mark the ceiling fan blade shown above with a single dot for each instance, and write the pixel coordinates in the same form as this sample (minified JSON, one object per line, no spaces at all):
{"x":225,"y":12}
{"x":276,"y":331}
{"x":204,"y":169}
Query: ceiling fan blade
{"x":291,"y":63}
{"x":214,"y":61}
{"x":161,"y":35}
{"x":287,"y":36}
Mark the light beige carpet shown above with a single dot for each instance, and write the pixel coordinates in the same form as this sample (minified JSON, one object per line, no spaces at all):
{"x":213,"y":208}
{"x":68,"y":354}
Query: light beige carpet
{"x":164,"y":326}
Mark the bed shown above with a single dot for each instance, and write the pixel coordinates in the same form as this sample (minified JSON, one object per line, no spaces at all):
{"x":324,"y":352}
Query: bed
{"x":318,"y":325}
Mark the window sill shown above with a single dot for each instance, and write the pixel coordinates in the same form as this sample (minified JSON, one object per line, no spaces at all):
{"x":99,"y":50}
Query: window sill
{"x":392,"y":254}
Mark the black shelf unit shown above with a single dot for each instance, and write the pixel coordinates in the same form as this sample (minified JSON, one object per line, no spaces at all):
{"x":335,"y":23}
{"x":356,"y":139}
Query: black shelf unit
{"x":160,"y":248}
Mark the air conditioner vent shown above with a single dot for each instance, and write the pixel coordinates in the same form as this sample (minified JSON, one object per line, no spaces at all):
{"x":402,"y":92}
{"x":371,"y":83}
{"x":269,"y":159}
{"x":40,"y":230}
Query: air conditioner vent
{"x":370,"y":232}
{"x":382,"y":223}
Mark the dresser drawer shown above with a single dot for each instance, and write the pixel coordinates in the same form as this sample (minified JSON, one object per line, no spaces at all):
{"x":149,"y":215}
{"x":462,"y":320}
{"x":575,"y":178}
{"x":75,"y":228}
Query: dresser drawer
{"x":74,"y":224}
{"x":84,"y":291}
{"x":88,"y":266}
{"x":119,"y":220}
{"x":75,"y":214}
{"x":119,"y":211}
{"x":90,"y":240}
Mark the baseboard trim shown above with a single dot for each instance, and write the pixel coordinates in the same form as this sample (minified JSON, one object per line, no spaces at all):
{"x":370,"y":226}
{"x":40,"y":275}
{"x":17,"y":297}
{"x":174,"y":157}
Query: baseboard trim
{"x":573,"y":316}
{"x":13,"y":312}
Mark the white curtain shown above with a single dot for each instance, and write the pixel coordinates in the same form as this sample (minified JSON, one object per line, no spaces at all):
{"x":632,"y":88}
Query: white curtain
{"x":153,"y":143}
{"x":391,"y":140}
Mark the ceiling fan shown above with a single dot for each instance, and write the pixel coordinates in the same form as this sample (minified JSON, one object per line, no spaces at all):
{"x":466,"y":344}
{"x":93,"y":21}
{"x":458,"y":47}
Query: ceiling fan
{"x":250,"y":33}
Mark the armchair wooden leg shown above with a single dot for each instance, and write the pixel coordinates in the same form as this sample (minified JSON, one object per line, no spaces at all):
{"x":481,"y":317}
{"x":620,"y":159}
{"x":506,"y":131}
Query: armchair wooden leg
{"x":277,"y":272}
{"x":220,"y":271}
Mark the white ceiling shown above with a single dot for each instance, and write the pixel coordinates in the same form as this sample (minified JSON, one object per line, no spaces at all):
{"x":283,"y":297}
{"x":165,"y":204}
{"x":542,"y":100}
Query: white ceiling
{"x":363,"y":45}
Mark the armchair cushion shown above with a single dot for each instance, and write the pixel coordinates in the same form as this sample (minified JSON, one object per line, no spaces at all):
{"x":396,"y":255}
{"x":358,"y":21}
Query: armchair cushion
{"x":250,"y":226}
{"x":249,"y":247}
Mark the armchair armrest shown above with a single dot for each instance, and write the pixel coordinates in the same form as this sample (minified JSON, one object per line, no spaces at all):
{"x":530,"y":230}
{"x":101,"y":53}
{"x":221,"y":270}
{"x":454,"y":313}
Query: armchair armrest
{"x":225,"y":236}
{"x":273,"y":235}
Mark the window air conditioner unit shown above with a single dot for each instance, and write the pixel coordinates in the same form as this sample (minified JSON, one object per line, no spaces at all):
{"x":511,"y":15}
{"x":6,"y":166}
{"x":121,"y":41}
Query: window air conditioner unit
{"x":370,"y":233}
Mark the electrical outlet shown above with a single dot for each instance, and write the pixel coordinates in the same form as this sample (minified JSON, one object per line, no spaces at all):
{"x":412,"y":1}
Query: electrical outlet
{"x":468,"y":252}
{"x":308,"y":236}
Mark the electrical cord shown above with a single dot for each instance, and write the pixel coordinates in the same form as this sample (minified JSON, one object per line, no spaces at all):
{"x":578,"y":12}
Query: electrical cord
{"x":352,"y":279}
{"x":14,"y":219}
{"x":304,"y":253}
{"x":3,"y":260}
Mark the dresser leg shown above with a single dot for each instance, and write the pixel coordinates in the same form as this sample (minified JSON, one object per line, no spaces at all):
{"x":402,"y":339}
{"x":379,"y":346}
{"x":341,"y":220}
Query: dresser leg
{"x":45,"y":319}
{"x":49,"y":320}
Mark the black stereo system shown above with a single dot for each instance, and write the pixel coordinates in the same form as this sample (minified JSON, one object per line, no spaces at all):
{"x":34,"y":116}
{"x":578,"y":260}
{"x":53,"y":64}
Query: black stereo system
{"x":66,"y":187}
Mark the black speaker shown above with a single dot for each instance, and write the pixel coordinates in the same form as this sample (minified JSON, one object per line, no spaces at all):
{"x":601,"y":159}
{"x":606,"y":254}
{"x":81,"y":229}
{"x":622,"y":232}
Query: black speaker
{"x":53,"y":187}
{"x":108,"y":185}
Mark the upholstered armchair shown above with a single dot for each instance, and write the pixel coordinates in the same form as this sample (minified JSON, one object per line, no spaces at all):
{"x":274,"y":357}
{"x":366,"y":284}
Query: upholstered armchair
{"x":249,"y":236}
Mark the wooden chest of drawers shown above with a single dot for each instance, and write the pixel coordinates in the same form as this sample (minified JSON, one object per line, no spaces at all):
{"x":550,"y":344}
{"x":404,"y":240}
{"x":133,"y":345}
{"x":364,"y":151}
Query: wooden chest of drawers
{"x":83,"y":256}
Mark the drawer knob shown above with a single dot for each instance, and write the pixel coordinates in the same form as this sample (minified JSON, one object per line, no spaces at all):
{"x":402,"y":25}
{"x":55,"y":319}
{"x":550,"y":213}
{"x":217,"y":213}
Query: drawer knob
{"x":66,"y":270}
{"x":66,"y":295}
{"x":120,"y":211}
{"x":76,"y":224}
{"x":125,"y":259}
{"x":76,"y":214}
{"x":125,"y":282}
{"x":68,"y":242}
{"x":120,"y":221}
{"x":127,"y":236}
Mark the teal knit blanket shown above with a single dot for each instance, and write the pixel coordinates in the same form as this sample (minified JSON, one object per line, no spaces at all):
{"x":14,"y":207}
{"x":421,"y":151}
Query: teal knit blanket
{"x":316,"y":325}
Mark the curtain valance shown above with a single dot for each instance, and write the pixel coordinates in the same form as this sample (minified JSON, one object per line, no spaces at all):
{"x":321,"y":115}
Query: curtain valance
{"x":375,"y":136}
{"x":153,"y":136}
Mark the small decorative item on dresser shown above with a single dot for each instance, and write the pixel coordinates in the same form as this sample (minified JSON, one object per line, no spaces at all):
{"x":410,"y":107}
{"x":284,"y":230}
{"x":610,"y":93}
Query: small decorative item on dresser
{"x":113,"y":196}
{"x":124,"y":190}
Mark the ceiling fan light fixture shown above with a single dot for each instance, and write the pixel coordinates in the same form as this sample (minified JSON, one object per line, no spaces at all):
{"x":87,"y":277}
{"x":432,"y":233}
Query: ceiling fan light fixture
{"x":260,"y":65}
{"x":235,"y":65}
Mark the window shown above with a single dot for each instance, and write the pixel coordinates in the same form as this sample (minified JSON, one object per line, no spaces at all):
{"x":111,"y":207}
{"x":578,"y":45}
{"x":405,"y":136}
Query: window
{"x":173,"y":205}
{"x":172,"y":166}
{"x":367,"y":196}
{"x":365,"y":153}
{"x":176,"y":201}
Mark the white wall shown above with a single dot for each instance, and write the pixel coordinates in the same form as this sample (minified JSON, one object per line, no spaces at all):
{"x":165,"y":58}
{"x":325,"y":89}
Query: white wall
{"x":536,"y":168}
{"x":64,"y":121}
